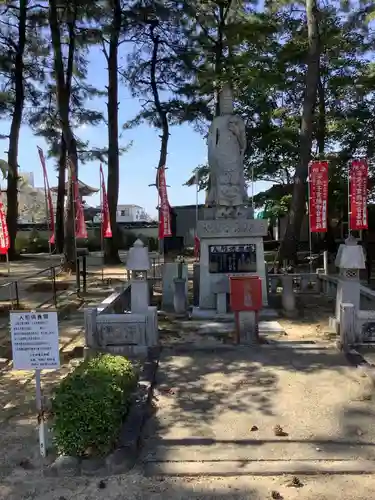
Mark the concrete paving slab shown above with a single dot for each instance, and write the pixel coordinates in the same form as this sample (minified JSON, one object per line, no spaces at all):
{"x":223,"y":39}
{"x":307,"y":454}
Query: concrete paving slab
{"x":224,"y":406}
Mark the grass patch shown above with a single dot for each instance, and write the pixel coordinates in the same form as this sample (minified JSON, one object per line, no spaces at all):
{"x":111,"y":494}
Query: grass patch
{"x":90,"y":404}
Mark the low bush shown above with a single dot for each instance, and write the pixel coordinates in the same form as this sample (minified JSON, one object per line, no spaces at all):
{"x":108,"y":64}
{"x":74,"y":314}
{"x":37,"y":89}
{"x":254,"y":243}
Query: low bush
{"x":90,"y":404}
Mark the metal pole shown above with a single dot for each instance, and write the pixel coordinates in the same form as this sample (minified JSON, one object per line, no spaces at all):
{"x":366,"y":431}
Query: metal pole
{"x":101,"y":224}
{"x":196,"y":204}
{"x":39,"y":406}
{"x":8,"y":263}
{"x":17,"y":294}
{"x":78,"y":281}
{"x":309,"y":215}
{"x":161,"y":246}
{"x":84,"y":273}
{"x":53,"y":276}
{"x":72,"y":187}
{"x":349,"y":199}
{"x":252,"y":188}
{"x":47,"y":214}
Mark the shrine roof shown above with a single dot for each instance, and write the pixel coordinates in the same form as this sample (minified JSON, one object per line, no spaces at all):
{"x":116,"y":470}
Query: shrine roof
{"x":84,"y":189}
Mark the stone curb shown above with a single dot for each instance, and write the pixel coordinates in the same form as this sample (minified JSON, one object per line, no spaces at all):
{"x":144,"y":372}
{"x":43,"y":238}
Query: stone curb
{"x":357,"y":359}
{"x":258,"y":468}
{"x":123,"y":458}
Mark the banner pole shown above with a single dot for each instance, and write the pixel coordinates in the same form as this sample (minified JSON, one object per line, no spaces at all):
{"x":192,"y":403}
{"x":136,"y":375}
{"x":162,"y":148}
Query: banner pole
{"x":309,"y":214}
{"x":349,"y":199}
{"x":47,"y":216}
{"x":161,"y":246}
{"x":101,"y":220}
{"x":252,"y":189}
{"x":72,"y":187}
{"x":8,"y":263}
{"x":196,"y":204}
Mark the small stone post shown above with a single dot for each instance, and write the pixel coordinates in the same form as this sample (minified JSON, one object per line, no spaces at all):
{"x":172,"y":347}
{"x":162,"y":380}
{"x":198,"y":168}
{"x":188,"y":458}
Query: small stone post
{"x":179,"y":295}
{"x":288,"y":299}
{"x":350,"y":259}
{"x":138,"y":262}
{"x":325,"y":261}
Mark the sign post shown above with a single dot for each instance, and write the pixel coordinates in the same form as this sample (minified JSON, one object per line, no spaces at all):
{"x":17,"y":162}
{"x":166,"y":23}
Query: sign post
{"x":35,"y":346}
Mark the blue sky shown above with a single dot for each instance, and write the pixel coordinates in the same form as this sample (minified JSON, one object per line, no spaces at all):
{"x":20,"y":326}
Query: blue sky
{"x":187,"y":149}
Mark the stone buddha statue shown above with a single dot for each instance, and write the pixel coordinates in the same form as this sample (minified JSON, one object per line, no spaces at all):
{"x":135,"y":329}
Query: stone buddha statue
{"x":226,"y":149}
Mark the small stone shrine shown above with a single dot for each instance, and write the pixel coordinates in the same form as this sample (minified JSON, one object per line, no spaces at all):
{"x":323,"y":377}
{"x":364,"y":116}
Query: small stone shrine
{"x":231,"y":240}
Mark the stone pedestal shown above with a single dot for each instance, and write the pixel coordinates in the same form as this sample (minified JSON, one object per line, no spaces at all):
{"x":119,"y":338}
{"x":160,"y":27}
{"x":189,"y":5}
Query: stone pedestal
{"x":235,"y":233}
{"x":170,"y":273}
{"x":140,"y":294}
{"x":180,"y":297}
{"x":196,"y":283}
{"x":248,"y":324}
{"x":288,"y":299}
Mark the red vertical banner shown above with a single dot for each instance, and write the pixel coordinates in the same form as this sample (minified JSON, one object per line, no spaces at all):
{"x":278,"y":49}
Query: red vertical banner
{"x":106,"y":223}
{"x":4,"y":235}
{"x":358,"y":176}
{"x":164,"y":208}
{"x":47,"y":191}
{"x":318,"y":196}
{"x":80,"y":224}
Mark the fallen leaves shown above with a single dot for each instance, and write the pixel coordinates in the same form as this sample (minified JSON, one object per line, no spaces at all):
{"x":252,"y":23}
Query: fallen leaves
{"x":295,"y":483}
{"x":279,"y":431}
{"x":276,"y":495}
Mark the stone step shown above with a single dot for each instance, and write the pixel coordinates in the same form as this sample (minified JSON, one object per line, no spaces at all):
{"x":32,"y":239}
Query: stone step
{"x":257,"y":449}
{"x":259,"y":468}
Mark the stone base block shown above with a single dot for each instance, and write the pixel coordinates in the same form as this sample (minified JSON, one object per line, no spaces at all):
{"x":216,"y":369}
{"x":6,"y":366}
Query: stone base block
{"x":334,"y":324}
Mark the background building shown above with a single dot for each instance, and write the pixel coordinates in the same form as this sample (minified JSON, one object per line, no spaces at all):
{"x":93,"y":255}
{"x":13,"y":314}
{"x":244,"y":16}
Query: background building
{"x":127,"y":214}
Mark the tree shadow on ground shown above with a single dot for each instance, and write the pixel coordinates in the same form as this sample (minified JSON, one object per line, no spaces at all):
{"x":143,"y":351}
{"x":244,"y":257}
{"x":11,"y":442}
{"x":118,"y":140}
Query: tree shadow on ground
{"x":212,"y":398}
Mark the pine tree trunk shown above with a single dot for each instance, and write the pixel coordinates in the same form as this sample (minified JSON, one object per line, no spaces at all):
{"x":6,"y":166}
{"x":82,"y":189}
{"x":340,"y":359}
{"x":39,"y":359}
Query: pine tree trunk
{"x":289,"y":244}
{"x":111,"y":255}
{"x":61,"y":198}
{"x":12,"y":180}
{"x":63,"y":97}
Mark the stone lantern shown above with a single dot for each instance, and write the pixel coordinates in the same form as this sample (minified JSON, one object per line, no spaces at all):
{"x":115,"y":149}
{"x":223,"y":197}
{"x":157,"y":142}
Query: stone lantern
{"x":350,"y":260}
{"x":138,"y":262}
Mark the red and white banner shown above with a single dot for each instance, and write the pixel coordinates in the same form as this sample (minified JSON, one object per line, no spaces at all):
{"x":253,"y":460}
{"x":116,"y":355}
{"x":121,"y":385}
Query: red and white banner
{"x":4,"y":235}
{"x":318,"y":199}
{"x":80,"y":224}
{"x":164,"y":208}
{"x":106,"y":223}
{"x":358,"y":176}
{"x":47,"y":191}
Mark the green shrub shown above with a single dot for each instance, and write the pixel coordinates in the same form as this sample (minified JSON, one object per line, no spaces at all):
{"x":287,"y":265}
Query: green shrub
{"x":90,"y":404}
{"x":21,"y":243}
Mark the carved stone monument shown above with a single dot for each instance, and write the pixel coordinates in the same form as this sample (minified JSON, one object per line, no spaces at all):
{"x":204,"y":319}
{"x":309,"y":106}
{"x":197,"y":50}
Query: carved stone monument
{"x":231,"y":239}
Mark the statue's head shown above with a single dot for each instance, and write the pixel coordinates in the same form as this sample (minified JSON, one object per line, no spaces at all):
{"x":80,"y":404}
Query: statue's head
{"x":226,"y":100}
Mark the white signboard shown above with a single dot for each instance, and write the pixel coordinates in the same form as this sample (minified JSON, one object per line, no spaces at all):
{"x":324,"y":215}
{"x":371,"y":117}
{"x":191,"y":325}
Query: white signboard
{"x":35,"y":340}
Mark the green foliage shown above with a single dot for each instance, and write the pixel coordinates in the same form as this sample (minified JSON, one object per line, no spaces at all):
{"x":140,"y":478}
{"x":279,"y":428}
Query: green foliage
{"x":34,"y":243}
{"x":90,"y":404}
